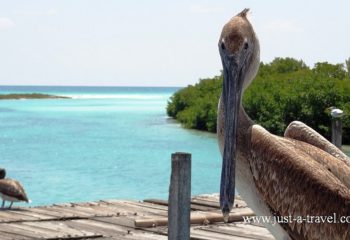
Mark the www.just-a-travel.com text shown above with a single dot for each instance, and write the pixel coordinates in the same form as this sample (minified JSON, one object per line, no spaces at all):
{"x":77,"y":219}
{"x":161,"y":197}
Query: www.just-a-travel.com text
{"x":298,"y":219}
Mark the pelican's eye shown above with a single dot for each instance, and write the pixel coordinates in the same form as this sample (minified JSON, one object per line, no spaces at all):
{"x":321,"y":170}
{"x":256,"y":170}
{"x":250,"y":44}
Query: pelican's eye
{"x":246,"y":45}
{"x":222,"y":45}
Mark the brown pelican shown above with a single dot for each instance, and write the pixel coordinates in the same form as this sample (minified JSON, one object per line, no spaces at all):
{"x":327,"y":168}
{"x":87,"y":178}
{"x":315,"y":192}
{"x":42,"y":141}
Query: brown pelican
{"x":300,"y":175}
{"x":11,"y":190}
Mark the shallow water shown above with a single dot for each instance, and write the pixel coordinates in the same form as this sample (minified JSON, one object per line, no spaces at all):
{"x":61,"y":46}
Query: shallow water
{"x":103,"y":143}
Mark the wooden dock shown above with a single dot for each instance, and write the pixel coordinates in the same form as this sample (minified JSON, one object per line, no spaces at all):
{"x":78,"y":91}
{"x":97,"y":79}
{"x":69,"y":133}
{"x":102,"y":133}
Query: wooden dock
{"x":119,"y":219}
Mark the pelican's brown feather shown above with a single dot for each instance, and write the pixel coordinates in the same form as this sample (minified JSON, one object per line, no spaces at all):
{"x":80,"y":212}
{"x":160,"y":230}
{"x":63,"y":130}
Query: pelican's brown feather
{"x":292,"y":182}
{"x":339,"y":168}
{"x":300,"y":131}
{"x":13,"y":188}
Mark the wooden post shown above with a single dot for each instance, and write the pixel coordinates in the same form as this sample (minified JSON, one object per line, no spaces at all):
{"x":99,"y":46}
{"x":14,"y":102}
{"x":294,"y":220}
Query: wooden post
{"x":179,"y":209}
{"x":337,"y":132}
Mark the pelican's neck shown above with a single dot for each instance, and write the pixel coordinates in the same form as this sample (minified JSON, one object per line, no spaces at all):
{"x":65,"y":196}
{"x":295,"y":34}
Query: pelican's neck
{"x":244,"y":123}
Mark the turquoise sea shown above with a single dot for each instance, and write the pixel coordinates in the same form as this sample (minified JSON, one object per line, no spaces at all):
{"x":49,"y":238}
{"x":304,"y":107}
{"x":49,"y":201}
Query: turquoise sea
{"x":103,"y":143}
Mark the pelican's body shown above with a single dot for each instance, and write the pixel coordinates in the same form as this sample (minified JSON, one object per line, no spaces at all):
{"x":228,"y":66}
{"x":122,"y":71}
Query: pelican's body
{"x":299,"y":175}
{"x":11,"y":190}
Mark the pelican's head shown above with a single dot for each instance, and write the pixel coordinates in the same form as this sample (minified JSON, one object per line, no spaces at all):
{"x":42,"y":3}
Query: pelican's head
{"x":2,"y":173}
{"x":239,"y":51}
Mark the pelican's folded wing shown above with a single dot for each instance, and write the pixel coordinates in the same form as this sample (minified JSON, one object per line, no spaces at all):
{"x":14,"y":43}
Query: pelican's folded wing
{"x":12,"y":188}
{"x":293,"y":183}
{"x":302,"y":132}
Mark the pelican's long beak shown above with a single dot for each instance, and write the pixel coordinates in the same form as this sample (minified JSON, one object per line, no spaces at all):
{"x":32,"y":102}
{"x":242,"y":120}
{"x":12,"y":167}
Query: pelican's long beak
{"x":231,"y":94}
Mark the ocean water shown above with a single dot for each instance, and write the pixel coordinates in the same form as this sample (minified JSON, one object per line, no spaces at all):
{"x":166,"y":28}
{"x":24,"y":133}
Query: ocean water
{"x":103,"y":143}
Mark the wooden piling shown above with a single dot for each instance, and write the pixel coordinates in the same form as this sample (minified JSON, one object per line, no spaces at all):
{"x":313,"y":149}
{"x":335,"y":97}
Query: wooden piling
{"x":179,"y":197}
{"x":337,"y":132}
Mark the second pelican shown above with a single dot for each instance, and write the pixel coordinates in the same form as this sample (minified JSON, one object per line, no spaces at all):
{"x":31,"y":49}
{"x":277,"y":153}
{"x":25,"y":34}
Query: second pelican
{"x":11,"y":190}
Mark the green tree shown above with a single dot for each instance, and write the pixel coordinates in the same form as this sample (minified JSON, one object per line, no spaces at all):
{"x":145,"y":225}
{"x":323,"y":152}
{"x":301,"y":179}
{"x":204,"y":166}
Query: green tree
{"x":286,"y":65}
{"x":283,"y":91}
{"x":329,"y":70}
{"x":196,"y":106}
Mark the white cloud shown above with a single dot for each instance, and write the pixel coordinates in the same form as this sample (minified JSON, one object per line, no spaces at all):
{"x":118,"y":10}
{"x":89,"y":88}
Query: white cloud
{"x":205,"y":9}
{"x":6,"y":23}
{"x":282,"y":26}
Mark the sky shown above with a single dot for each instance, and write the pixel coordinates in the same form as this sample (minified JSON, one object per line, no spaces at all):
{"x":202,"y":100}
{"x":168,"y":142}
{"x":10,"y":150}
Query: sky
{"x":154,"y":42}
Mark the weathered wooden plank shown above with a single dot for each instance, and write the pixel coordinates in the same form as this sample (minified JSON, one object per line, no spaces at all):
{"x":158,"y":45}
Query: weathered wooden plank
{"x":205,"y":203}
{"x":16,"y":214}
{"x":136,"y":235}
{"x":198,"y":218}
{"x":102,"y":208}
{"x":193,"y":206}
{"x":147,"y":208}
{"x":197,"y":233}
{"x":125,"y":208}
{"x":28,"y":215}
{"x":123,"y":221}
{"x":73,"y":211}
{"x":66,"y":204}
{"x":112,"y":230}
{"x":239,"y":231}
{"x":199,"y":207}
{"x":253,"y":228}
{"x":257,"y":224}
{"x":50,"y":230}
{"x":160,"y":230}
{"x":156,"y":201}
{"x":125,"y":229}
{"x":200,"y":234}
{"x":147,"y":205}
{"x":88,"y":212}
{"x":214,"y":203}
{"x":83,"y":204}
{"x":7,"y":215}
{"x":36,"y":230}
{"x":202,"y":202}
{"x":214,"y":197}
{"x":10,"y":228}
{"x":117,"y":207}
{"x":211,"y":197}
{"x":57,"y":229}
{"x":98,"y":227}
{"x":97,"y":210}
{"x":53,"y":212}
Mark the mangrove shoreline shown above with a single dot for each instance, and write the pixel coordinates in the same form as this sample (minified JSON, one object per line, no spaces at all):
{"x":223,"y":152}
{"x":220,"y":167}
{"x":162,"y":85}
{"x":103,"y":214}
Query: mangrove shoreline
{"x":20,"y":96}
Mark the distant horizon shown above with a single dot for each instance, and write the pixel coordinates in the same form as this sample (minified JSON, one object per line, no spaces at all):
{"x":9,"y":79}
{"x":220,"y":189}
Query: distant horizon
{"x":150,"y":86}
{"x":18,"y":85}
